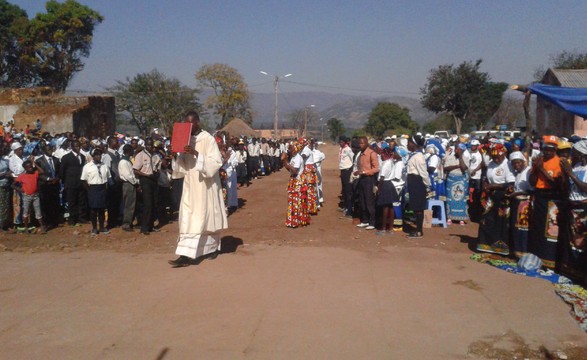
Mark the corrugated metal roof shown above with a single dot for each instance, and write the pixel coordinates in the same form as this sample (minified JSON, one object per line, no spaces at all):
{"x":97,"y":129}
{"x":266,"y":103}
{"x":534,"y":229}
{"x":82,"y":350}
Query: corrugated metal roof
{"x":571,"y":78}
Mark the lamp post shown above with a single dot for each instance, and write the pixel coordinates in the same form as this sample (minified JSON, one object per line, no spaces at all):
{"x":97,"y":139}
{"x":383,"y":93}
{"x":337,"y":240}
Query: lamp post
{"x":322,"y":129}
{"x":275,"y":115}
{"x":305,"y":133}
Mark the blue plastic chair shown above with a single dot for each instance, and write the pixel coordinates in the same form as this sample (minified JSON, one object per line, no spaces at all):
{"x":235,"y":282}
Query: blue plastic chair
{"x":442,"y":211}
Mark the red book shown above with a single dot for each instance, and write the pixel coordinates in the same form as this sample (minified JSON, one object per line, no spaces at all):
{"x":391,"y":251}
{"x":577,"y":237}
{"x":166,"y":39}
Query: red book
{"x":182,"y":132}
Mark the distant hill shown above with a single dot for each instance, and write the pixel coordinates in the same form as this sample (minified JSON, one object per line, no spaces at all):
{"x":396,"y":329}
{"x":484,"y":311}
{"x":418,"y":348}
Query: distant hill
{"x":351,"y":110}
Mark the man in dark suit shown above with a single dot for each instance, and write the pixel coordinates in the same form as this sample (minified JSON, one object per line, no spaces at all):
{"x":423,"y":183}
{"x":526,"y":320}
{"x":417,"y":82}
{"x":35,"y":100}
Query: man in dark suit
{"x":49,"y":186}
{"x":111,"y":159}
{"x":70,"y":173}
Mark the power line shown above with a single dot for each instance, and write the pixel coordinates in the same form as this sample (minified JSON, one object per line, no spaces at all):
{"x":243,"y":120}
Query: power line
{"x":351,"y":89}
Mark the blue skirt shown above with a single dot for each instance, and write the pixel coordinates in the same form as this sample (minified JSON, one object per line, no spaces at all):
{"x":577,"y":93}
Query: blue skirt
{"x":97,"y":196}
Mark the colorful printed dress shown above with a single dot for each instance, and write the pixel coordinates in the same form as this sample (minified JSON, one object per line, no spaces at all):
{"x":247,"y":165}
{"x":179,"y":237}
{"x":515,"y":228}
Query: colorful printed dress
{"x":297,"y":194}
{"x":494,"y":224}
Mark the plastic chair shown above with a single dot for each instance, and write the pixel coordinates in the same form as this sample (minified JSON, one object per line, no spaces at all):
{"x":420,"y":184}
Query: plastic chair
{"x":442,"y":211}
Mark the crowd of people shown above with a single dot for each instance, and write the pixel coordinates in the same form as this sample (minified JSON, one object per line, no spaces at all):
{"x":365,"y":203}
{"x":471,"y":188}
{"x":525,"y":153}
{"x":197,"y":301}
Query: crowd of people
{"x":134,"y":183}
{"x":529,"y":195}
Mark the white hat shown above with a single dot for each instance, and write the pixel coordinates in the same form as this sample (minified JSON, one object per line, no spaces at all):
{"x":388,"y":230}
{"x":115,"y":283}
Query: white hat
{"x":387,"y":138}
{"x":15,"y":145}
{"x":393,"y":137}
{"x":475,"y":142}
{"x":517,"y":155}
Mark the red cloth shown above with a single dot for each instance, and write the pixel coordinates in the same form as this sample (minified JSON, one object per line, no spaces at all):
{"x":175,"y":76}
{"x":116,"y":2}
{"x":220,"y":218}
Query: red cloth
{"x":29,"y":182}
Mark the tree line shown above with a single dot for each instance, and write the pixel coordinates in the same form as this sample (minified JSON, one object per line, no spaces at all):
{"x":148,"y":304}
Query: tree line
{"x":48,"y":49}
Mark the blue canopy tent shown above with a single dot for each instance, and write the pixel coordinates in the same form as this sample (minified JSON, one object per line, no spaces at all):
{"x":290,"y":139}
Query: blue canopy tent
{"x":573,"y":100}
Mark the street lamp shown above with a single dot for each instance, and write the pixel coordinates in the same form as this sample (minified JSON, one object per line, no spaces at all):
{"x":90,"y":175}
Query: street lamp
{"x":322,"y":129}
{"x":275,"y":115}
{"x":305,"y":134}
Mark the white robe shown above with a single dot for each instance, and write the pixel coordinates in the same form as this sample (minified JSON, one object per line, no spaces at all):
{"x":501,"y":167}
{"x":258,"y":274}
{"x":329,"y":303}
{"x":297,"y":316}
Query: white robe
{"x":231,"y":180}
{"x":201,"y":213}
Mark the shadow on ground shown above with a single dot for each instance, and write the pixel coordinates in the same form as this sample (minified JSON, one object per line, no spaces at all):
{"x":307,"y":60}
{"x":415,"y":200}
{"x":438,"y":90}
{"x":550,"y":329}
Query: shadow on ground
{"x":469,"y":240}
{"x":229,"y":244}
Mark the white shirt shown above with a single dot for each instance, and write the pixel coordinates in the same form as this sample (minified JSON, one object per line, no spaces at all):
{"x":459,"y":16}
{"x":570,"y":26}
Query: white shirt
{"x":386,"y":170}
{"x":318,"y":158}
{"x":297,"y":163}
{"x":522,"y":183}
{"x":126,"y":172}
{"x":417,"y":166}
{"x":95,"y":174}
{"x":345,"y":158}
{"x":59,"y":153}
{"x":254,"y":149}
{"x":473,"y":160}
{"x":452,"y":160}
{"x":15,"y":165}
{"x":575,"y":193}
{"x":308,"y":154}
{"x":500,"y":174}
{"x":397,"y":176}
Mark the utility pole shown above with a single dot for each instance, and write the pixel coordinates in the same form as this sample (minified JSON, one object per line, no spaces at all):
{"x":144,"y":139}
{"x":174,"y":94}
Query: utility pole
{"x":305,"y":133}
{"x":276,"y":113}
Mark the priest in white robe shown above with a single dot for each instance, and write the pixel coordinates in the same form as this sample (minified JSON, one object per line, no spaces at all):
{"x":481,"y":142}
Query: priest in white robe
{"x":202,"y":214}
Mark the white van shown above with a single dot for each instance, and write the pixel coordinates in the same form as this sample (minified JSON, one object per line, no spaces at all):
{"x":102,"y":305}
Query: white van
{"x":442,"y":133}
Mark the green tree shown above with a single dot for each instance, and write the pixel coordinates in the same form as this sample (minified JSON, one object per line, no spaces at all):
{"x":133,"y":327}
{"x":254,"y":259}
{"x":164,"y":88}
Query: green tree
{"x":565,"y":60}
{"x":441,"y":122}
{"x":153,"y":100}
{"x":13,"y":20}
{"x":335,"y":128}
{"x":463,"y":92}
{"x":55,"y":43}
{"x":231,"y":94}
{"x":387,"y":116}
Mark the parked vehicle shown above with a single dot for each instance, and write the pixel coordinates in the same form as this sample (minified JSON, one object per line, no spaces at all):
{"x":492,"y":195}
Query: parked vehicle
{"x":442,"y":133}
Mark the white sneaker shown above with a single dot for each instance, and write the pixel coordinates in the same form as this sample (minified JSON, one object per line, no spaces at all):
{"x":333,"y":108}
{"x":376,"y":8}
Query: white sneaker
{"x":370,"y":227}
{"x":362,"y":225}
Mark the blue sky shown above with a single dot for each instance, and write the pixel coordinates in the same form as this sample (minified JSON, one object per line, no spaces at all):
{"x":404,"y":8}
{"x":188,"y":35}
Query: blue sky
{"x":381,"y":47}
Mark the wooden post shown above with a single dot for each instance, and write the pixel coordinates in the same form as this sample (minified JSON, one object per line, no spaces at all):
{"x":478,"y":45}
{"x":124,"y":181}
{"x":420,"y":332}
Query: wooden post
{"x":527,"y":96}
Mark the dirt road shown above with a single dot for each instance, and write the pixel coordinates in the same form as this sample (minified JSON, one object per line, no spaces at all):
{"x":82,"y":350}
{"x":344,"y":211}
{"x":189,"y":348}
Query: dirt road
{"x":325,"y":291}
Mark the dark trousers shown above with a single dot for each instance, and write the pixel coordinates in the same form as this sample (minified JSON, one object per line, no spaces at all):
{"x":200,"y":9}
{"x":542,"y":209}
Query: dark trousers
{"x":97,"y":217}
{"x":367,"y":199}
{"x":50,"y":208}
{"x":113,"y":201}
{"x":475,"y":209}
{"x":254,"y":166}
{"x":77,"y":203}
{"x":267,"y":163}
{"x":163,"y":203}
{"x":129,"y":200}
{"x":149,"y":187}
{"x":347,"y":189}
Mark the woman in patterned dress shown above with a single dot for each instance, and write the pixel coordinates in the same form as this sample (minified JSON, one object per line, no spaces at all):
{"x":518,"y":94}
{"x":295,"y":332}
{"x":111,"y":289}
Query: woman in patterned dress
{"x":494,"y":224}
{"x":297,"y":207}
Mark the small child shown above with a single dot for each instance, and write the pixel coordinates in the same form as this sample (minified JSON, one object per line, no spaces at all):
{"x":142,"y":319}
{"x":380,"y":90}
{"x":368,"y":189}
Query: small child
{"x":27,"y":184}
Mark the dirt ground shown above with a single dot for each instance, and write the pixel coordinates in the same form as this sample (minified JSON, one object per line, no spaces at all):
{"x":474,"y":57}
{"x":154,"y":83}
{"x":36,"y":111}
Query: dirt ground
{"x":328,"y":290}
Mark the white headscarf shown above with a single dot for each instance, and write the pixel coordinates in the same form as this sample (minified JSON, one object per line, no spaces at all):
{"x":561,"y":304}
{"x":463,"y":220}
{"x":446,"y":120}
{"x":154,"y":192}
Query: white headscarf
{"x":581,"y":146}
{"x":517,"y":155}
